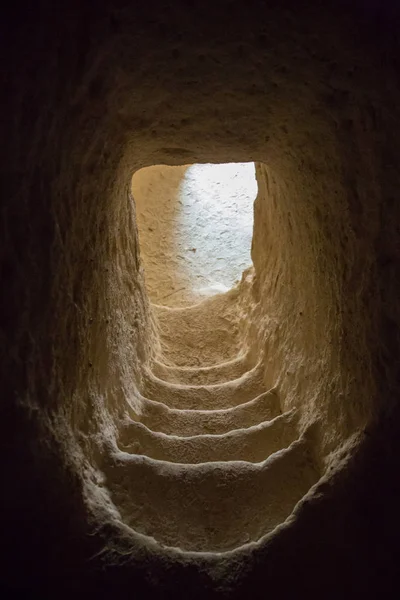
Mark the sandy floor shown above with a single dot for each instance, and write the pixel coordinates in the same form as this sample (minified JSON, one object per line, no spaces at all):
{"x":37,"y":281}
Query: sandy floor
{"x":195,"y":228}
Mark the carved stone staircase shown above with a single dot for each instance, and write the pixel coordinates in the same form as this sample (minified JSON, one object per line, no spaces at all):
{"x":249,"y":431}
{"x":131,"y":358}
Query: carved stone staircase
{"x":210,"y":463}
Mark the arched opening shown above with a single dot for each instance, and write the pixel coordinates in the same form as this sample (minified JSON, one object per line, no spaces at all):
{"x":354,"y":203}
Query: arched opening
{"x":195,"y":225}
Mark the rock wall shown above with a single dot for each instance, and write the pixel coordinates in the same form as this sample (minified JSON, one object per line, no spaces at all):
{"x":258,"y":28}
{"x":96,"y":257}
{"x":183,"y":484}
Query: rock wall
{"x":319,"y":358}
{"x":92,"y":93}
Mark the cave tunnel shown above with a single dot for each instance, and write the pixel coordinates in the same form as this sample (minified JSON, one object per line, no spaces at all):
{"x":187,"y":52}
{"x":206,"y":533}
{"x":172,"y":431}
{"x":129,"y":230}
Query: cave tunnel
{"x":247,"y":443}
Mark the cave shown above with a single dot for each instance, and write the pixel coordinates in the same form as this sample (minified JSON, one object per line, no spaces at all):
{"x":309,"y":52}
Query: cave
{"x":247,"y":443}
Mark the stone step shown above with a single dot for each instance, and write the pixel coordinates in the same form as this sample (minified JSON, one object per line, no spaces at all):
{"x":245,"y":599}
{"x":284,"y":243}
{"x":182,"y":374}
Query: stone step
{"x":219,"y":373}
{"x":254,"y":444}
{"x":202,"y":335}
{"x":209,"y":507}
{"x":205,"y":397}
{"x":159,"y":417}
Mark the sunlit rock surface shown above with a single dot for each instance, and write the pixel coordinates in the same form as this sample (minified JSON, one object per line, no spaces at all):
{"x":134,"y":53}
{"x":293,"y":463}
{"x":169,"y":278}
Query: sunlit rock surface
{"x":195,"y":228}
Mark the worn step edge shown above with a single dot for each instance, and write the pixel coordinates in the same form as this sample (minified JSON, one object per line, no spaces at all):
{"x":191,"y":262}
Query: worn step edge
{"x":159,"y":417}
{"x":201,"y":305}
{"x":220,"y":395}
{"x":253,"y":444}
{"x":217,"y":373}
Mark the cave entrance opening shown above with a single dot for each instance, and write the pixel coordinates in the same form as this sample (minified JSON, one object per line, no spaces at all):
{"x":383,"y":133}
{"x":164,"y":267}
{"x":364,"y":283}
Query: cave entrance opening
{"x":195,"y":226}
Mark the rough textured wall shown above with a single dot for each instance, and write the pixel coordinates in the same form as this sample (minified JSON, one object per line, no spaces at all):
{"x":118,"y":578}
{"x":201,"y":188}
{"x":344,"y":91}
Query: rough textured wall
{"x":91,"y":93}
{"x":301,"y":252}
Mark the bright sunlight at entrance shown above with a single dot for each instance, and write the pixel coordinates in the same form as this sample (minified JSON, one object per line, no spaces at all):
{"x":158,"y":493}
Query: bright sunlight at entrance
{"x":195,"y":228}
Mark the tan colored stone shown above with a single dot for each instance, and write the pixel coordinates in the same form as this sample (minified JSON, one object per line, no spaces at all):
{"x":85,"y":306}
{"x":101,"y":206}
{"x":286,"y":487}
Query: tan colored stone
{"x":90,"y":95}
